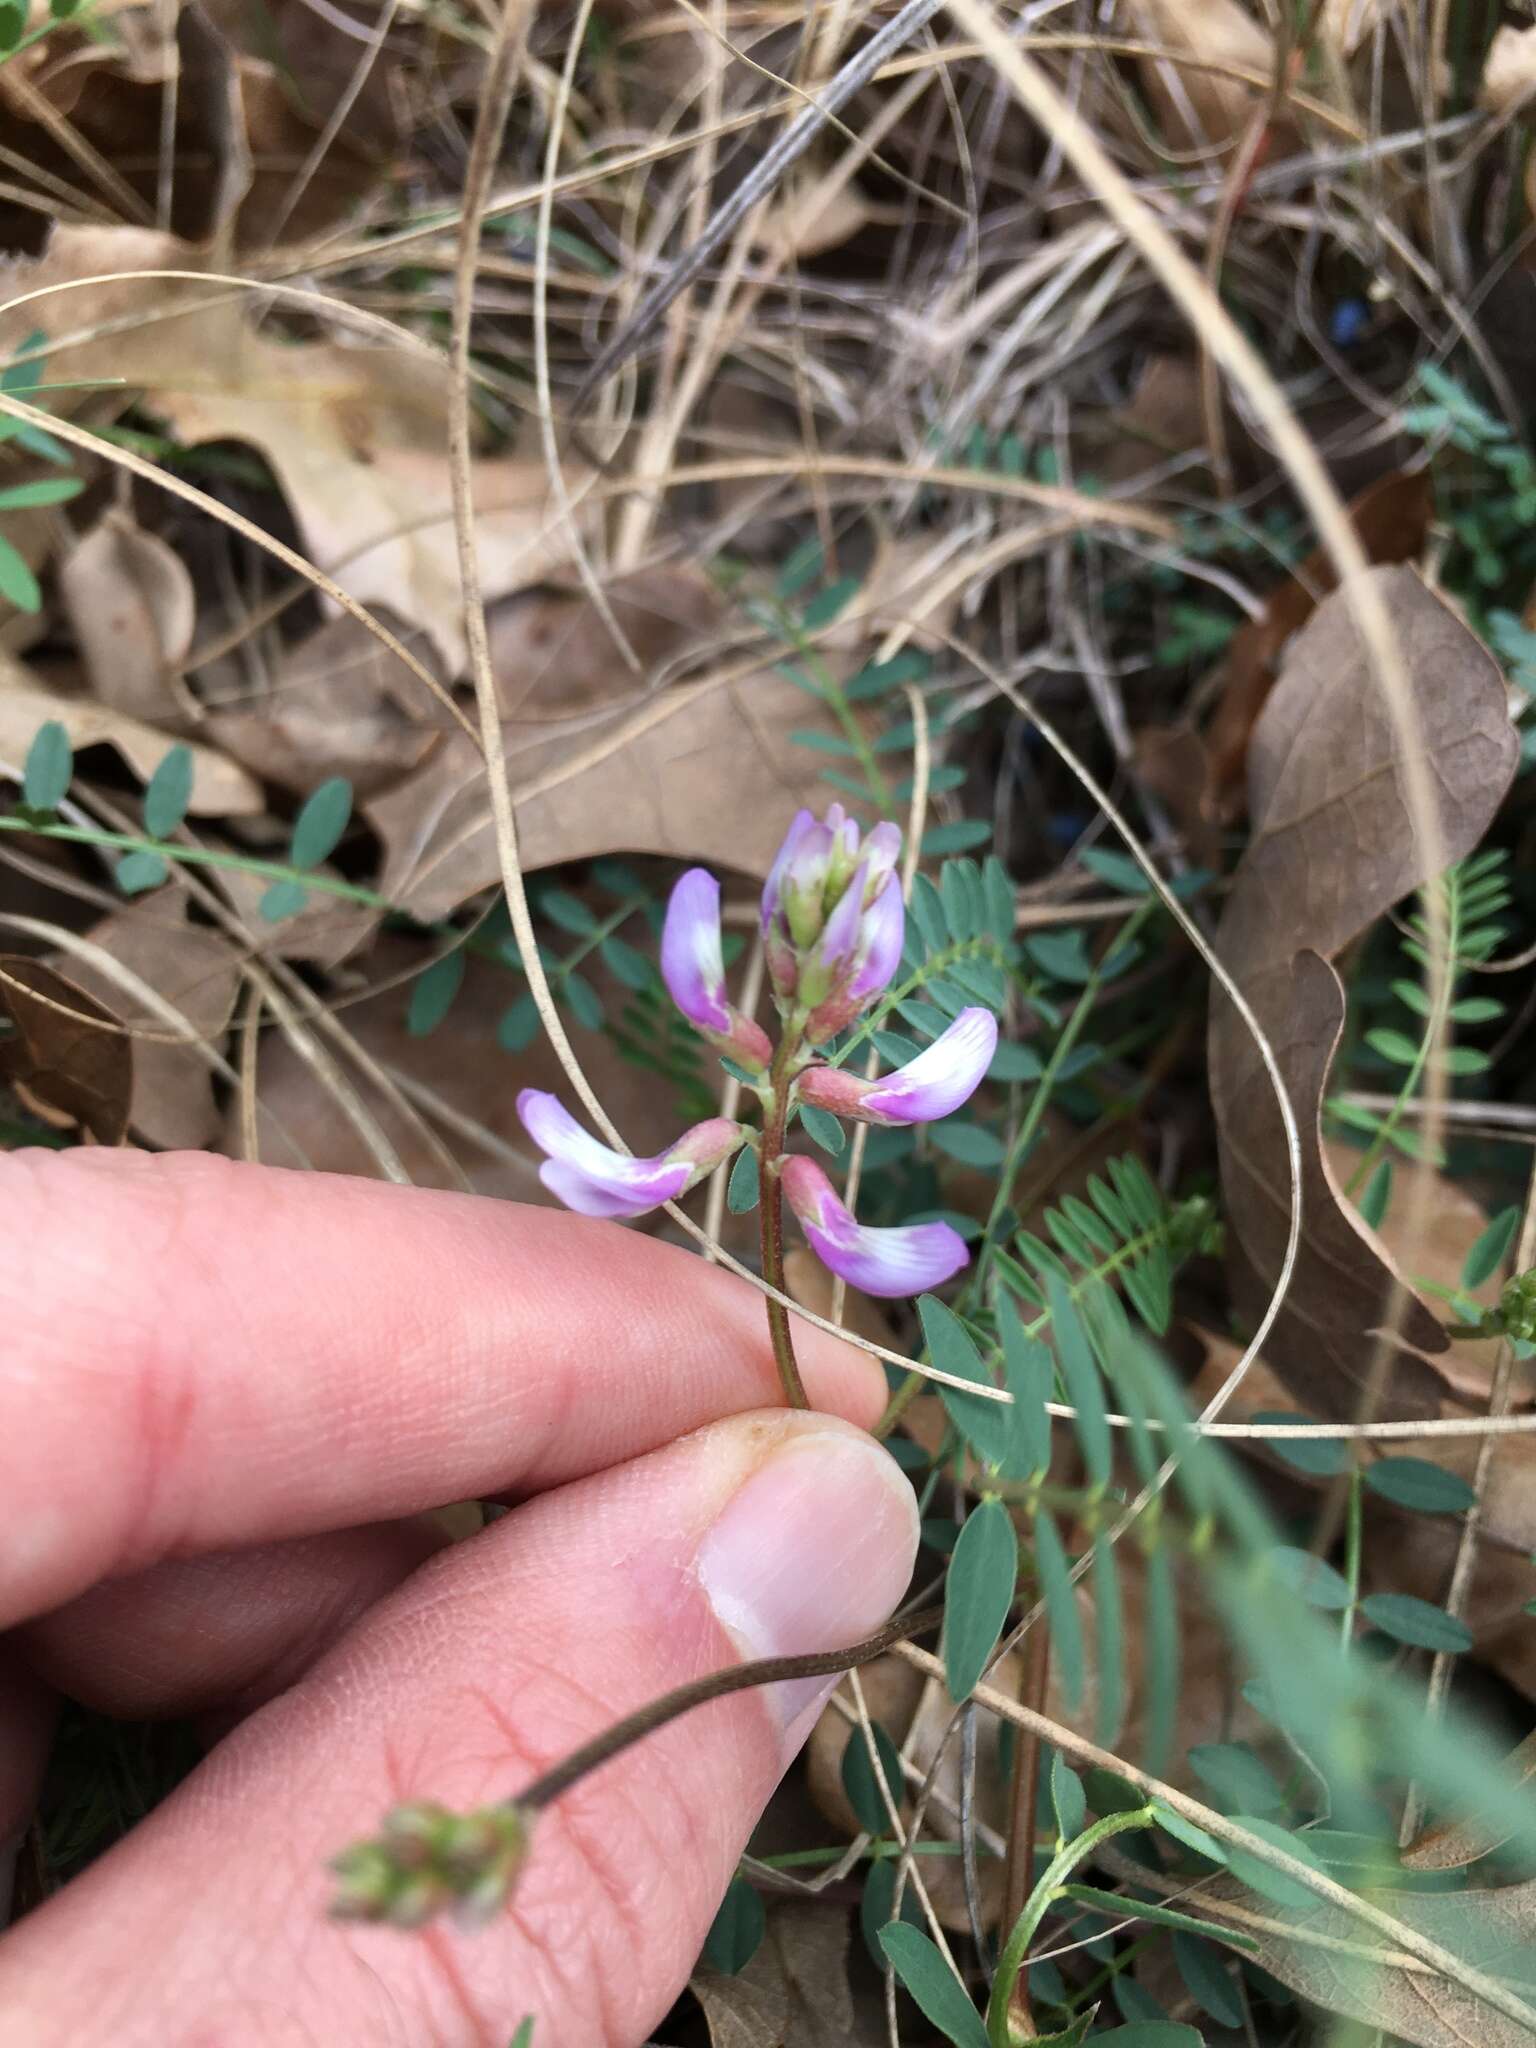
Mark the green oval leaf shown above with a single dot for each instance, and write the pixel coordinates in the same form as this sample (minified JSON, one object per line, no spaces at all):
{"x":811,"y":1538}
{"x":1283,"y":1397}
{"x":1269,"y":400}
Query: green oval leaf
{"x":1313,"y":1578}
{"x":1068,"y":1798}
{"x":519,"y":1025}
{"x":168,"y":793}
{"x":1029,"y":1377}
{"x":863,"y":1793}
{"x":285,"y":898}
{"x":49,"y":767}
{"x":568,"y":911}
{"x":969,"y":1144}
{"x":987,"y":1426}
{"x":933,"y":1986}
{"x":318,"y":828}
{"x":1416,"y":1483}
{"x":1208,"y":1979}
{"x":17,"y":583}
{"x":1061,"y":1609}
{"x":1080,"y":1377}
{"x":823,"y":1129}
{"x":877,"y":1904}
{"x":1489,"y":1250}
{"x":979,"y":1592}
{"x":1411,"y":1620}
{"x":433,"y":993}
{"x":136,"y":872}
{"x":742,"y":1189}
{"x":1240,"y":1781}
{"x":1320,"y":1457}
{"x":586,"y":1004}
{"x":737,"y":1929}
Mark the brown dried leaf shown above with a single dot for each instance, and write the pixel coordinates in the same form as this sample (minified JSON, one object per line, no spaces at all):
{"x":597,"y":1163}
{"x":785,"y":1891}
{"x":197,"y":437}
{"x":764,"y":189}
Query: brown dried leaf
{"x":198,"y":972}
{"x":67,"y":1058}
{"x":1333,"y":849}
{"x":338,"y":703}
{"x":794,"y":1993}
{"x":1196,"y":108}
{"x":1490,"y":1929}
{"x":220,"y":789}
{"x":1509,"y":70}
{"x":702,"y":771}
{"x":1460,"y":1842}
{"x":461,"y":1063}
{"x":1391,"y":519}
{"x":131,"y":605}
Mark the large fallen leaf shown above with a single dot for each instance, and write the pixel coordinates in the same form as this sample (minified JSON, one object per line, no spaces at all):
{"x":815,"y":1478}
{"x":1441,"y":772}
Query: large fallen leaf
{"x":1509,"y":70}
{"x":1199,"y":107}
{"x":197,"y":971}
{"x":1333,"y":849}
{"x":794,"y":1993}
{"x":67,"y":1057}
{"x":220,"y":789}
{"x":356,"y":435}
{"x":132,"y":608}
{"x":338,"y":703}
{"x":1493,"y":1930}
{"x":602,"y":761}
{"x":1391,"y":519}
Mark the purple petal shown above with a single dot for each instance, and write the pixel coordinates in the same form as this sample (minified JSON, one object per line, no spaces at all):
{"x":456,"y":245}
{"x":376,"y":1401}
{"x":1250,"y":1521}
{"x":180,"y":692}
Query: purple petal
{"x":841,"y":932}
{"x":590,"y":1177}
{"x":799,"y":826}
{"x":885,"y":924}
{"x":948,"y":1073}
{"x":882,"y":849}
{"x":908,"y":1260}
{"x":691,"y":963}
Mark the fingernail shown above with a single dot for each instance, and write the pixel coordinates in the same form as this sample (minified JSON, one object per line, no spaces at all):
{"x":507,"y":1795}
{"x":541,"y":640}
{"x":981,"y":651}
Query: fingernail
{"x":814,"y":1551}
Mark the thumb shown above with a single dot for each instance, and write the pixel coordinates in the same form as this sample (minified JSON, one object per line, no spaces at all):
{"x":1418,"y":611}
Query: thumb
{"x":764,"y":1535}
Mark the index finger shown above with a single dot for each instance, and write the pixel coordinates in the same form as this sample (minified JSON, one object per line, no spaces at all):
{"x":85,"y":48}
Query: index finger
{"x":201,"y":1354}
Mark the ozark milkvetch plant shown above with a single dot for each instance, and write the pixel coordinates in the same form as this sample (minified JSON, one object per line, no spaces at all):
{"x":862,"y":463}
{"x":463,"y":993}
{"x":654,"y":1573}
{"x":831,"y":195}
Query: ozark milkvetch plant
{"x":832,"y":929}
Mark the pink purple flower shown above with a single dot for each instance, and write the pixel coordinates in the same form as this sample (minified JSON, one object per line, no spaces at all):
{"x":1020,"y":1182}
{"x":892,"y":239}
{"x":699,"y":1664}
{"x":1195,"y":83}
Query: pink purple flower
{"x":594,"y":1180}
{"x":832,"y":918}
{"x":947,"y":1074}
{"x":693,"y":968}
{"x":907,"y":1260}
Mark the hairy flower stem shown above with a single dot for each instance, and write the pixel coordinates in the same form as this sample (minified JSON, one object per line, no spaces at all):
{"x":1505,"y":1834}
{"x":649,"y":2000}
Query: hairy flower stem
{"x":771,"y":1211}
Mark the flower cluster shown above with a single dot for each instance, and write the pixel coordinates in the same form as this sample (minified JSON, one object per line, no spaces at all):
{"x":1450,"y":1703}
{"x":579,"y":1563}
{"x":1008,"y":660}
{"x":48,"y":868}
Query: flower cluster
{"x":832,"y":926}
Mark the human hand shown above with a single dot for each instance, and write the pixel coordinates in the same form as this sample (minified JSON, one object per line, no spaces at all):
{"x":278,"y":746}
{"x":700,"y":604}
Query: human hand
{"x":217,"y":1383}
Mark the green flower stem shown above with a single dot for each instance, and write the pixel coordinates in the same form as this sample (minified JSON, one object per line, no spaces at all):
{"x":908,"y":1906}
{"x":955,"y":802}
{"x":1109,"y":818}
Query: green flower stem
{"x":1056,"y":1872}
{"x":771,"y":1213}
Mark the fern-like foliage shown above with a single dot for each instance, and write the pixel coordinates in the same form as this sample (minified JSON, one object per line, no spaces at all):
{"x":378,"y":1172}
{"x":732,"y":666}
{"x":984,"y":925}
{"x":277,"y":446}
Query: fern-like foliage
{"x":1125,"y":1232}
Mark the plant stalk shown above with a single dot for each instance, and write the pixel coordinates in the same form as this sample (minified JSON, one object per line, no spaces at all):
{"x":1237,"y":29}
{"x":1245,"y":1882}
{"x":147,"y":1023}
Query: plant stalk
{"x":771,"y":1213}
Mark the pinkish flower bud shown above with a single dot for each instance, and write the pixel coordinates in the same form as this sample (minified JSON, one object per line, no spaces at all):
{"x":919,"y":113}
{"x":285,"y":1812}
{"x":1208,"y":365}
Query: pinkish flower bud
{"x":832,"y":917}
{"x":948,"y":1073}
{"x":694,"y":971}
{"x":594,"y":1180}
{"x":907,"y":1260}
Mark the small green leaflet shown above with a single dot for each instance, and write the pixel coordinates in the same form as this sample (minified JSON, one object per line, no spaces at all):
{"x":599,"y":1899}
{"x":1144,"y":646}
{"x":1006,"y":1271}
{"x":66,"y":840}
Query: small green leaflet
{"x":519,"y":1025}
{"x":824,"y":607}
{"x":823,"y":1129}
{"x":50,"y":764}
{"x":1416,"y":1483}
{"x":859,"y":1785}
{"x":1061,"y":1609}
{"x":1312,"y":1577}
{"x":737,"y":1929}
{"x":324,"y":818}
{"x":1152,"y":2034}
{"x":968,"y":1143}
{"x":1027,"y":1372}
{"x":1320,"y":1457}
{"x":168,"y":793}
{"x":586,"y":1004}
{"x":979,"y":1592}
{"x":876,"y":1906}
{"x":987,"y":1426}
{"x":1416,"y":1622}
{"x":433,"y":993}
{"x":933,"y":1985}
{"x":139,"y":871}
{"x":1068,"y":1798}
{"x":1264,"y":1878}
{"x":1241,"y":1781}
{"x":1376,"y":1195}
{"x":741,"y":1190}
{"x":523,"y":2038}
{"x":1488,"y":1253}
{"x":17,"y":583}
{"x":1080,"y":1377}
{"x":568,"y":911}
{"x":284,"y":899}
